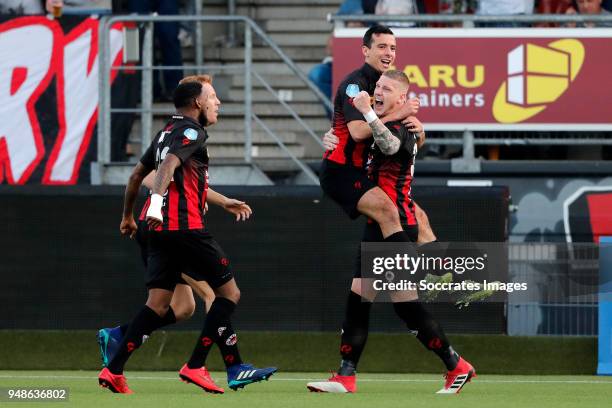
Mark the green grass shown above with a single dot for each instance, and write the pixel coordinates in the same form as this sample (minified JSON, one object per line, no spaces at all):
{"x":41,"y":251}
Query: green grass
{"x":307,"y":352}
{"x":163,"y":389}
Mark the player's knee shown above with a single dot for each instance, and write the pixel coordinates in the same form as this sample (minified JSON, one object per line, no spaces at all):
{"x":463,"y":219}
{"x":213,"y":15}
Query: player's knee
{"x":234,"y":296}
{"x":388,"y":212}
{"x":161,"y":308}
{"x":184,"y":311}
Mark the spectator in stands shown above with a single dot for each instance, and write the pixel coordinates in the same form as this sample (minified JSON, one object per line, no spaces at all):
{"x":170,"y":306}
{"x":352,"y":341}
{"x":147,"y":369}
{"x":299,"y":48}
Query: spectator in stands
{"x":321,"y":74}
{"x":551,"y":7}
{"x":504,"y":7}
{"x":588,"y":7}
{"x":351,"y":8}
{"x":28,"y":6}
{"x":166,"y":35}
{"x":396,"y":8}
{"x":457,"y":6}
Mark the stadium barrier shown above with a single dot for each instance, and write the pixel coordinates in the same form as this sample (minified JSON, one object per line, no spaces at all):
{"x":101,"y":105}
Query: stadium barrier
{"x":293,"y":260}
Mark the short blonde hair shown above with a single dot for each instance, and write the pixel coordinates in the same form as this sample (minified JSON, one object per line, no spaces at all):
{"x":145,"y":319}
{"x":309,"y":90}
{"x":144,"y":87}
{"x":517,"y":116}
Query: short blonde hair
{"x":399,"y":76}
{"x":203,"y":79}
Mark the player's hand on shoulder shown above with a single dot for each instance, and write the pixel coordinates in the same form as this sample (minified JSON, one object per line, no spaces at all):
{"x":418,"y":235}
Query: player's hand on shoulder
{"x":414,"y":125}
{"x":362,"y":102}
{"x":413,"y":104}
{"x":128,"y":227}
{"x":240,"y":209}
{"x":330,"y":140}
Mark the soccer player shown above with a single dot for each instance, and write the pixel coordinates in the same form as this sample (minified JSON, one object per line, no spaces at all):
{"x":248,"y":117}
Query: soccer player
{"x":342,"y":173}
{"x":391,"y":166}
{"x":182,"y":305}
{"x":178,"y":242}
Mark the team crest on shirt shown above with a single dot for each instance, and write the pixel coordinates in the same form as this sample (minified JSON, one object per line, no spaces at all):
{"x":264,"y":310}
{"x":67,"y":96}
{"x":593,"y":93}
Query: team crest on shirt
{"x":190,"y":134}
{"x":352,"y":90}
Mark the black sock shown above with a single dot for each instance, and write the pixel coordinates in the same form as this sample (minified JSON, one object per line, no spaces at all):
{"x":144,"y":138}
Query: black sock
{"x":217,"y":329}
{"x":399,"y":236}
{"x":354,"y":333}
{"x":169,"y":318}
{"x":429,"y":332}
{"x":143,"y":324}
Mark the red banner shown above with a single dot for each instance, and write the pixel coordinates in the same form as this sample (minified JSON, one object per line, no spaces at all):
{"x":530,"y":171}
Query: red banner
{"x":49,"y":97}
{"x":500,"y":79}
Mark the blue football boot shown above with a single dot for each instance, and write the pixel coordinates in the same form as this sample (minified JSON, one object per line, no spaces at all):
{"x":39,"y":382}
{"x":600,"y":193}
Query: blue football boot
{"x":240,"y":375}
{"x":109,"y":340}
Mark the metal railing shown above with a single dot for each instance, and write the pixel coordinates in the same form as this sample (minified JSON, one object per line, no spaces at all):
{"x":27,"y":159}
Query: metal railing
{"x":146,"y":109}
{"x":469,"y":20}
{"x":563,"y":282}
{"x":471,"y":137}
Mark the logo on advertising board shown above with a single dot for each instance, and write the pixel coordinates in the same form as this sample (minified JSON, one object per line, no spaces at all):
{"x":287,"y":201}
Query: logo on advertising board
{"x":537,"y":77}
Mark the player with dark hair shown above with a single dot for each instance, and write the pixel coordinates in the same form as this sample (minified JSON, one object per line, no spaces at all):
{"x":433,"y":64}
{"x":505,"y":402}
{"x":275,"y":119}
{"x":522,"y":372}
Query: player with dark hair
{"x":182,"y":305}
{"x":179,"y":243}
{"x":391,"y":167}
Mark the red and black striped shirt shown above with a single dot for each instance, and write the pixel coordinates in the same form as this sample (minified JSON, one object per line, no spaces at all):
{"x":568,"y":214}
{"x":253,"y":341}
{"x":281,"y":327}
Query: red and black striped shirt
{"x":349,"y":152}
{"x":394,"y":173}
{"x":184,"y":201}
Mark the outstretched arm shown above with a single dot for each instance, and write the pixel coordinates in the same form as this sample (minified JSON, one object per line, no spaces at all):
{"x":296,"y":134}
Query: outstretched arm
{"x":240,"y":209}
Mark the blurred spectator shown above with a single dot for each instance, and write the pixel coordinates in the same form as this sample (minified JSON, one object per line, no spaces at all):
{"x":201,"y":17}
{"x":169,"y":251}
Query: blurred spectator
{"x":504,"y":7}
{"x":26,"y":6}
{"x":588,"y":7}
{"x":321,"y":74}
{"x":396,"y":8}
{"x":351,"y":7}
{"x":166,"y":35}
{"x":551,"y":7}
{"x":457,"y":6}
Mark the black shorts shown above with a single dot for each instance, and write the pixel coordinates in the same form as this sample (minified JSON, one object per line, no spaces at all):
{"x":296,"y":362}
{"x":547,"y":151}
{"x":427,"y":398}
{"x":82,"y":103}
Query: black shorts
{"x":192,"y":252}
{"x":372,"y":233}
{"x":345,"y":185}
{"x":142,"y":238}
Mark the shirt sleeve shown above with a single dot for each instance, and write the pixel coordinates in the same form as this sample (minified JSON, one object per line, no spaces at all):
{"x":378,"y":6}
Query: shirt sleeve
{"x":148,"y":158}
{"x":186,"y":141}
{"x":407,"y":140}
{"x":350,"y":112}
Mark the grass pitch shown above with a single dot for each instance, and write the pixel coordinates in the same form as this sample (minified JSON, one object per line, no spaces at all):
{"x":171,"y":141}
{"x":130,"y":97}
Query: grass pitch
{"x":163,"y":389}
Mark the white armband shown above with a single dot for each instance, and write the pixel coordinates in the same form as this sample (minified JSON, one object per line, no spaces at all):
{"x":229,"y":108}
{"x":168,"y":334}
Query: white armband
{"x":155,"y":207}
{"x":370,"y":116}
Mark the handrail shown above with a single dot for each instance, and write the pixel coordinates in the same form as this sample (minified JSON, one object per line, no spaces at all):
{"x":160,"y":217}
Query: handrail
{"x":474,"y":18}
{"x":291,"y":111}
{"x":309,"y":173}
{"x":104,"y":109}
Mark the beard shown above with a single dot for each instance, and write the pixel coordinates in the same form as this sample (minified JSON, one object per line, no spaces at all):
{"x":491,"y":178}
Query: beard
{"x":202,"y":119}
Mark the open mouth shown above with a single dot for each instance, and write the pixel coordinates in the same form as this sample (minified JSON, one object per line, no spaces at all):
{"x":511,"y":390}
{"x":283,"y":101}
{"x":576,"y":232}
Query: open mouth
{"x":386,"y":62}
{"x":378,"y":103}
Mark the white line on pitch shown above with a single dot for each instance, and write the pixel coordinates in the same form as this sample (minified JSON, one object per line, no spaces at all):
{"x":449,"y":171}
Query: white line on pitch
{"x":276,"y":378}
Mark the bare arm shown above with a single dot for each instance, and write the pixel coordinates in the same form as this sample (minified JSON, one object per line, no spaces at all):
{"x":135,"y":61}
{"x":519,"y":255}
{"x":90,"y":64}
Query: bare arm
{"x":240,"y":209}
{"x":131,"y":190}
{"x":164,"y":174}
{"x":128,"y":225}
{"x":360,"y":130}
{"x":385,"y":140}
{"x":216,"y":198}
